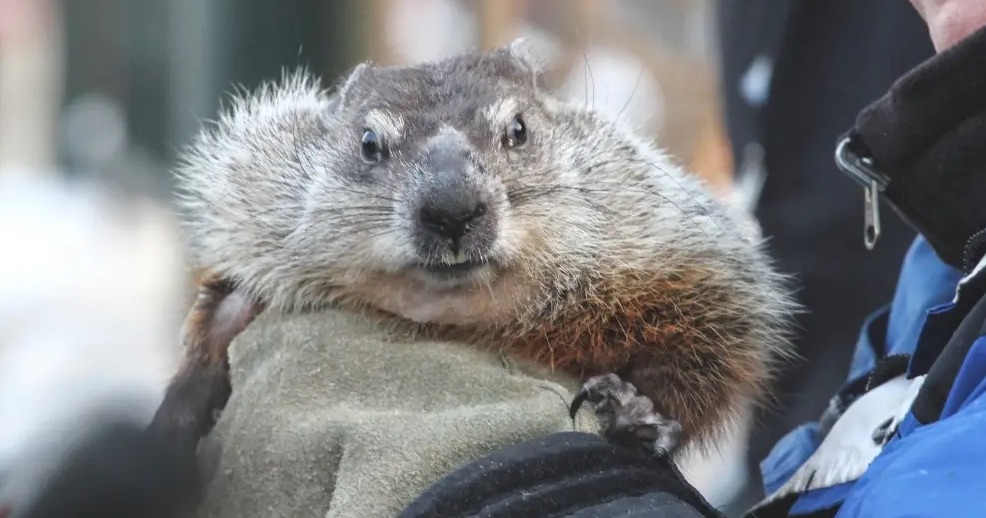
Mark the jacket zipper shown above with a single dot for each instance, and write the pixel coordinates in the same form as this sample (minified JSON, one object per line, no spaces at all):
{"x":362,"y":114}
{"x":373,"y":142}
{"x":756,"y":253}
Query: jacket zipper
{"x":864,"y":171}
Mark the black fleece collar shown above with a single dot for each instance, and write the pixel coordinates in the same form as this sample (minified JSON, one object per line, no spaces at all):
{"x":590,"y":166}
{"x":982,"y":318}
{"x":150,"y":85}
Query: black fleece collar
{"x":922,"y":148}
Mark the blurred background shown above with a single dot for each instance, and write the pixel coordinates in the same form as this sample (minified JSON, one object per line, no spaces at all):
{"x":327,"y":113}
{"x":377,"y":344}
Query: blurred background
{"x":97,"y":97}
{"x":117,"y":86}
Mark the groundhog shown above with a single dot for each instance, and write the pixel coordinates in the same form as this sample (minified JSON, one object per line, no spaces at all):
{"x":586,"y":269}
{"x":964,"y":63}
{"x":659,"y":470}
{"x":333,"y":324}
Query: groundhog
{"x":460,"y":199}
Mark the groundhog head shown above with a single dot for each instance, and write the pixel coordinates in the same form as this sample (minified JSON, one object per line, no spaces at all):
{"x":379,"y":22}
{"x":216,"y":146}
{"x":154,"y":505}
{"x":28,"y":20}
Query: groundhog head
{"x":447,"y":191}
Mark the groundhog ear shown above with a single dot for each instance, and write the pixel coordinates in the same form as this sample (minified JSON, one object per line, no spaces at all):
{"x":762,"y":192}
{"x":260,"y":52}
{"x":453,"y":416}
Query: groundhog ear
{"x":530,"y":54}
{"x":527,"y":60}
{"x":350,"y":90}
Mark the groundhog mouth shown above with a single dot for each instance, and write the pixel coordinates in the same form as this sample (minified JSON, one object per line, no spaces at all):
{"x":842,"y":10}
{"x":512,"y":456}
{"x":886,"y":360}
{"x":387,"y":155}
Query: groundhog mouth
{"x":462,"y":271}
{"x":451,"y":268}
{"x":447,"y":268}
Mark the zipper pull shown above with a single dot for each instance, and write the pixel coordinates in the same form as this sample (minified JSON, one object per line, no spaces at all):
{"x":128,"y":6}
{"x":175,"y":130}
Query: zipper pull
{"x":871,"y":219}
{"x":873,"y":182}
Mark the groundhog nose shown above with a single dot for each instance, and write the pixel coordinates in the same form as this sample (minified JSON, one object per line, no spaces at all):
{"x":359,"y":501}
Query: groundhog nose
{"x":451,"y":222}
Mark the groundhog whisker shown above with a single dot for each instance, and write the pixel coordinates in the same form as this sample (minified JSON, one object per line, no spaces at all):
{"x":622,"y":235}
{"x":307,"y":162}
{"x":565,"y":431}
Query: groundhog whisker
{"x":366,"y":209}
{"x":622,"y":187}
{"x":592,"y":80}
{"x":553,"y":190}
{"x":588,"y":166}
{"x":365,"y":192}
{"x":351,"y":220}
{"x":659,"y":168}
{"x":522,"y":202}
{"x":636,"y":84}
{"x":380,"y":233}
{"x":303,"y":159}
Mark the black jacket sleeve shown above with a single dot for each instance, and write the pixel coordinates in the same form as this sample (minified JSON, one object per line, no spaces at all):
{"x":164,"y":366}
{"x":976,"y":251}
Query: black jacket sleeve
{"x":563,"y":475}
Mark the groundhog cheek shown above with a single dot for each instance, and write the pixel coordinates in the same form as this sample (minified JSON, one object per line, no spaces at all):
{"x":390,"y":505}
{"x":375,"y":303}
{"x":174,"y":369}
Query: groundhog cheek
{"x":391,"y":250}
{"x":515,"y":236}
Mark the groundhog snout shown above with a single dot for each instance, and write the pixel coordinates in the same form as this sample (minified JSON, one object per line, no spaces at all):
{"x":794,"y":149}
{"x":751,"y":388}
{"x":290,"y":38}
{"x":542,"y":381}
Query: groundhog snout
{"x":454,"y":214}
{"x":452,"y":222}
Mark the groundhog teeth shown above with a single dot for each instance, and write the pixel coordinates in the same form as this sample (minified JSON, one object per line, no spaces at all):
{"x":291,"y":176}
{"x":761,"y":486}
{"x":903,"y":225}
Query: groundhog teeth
{"x":459,"y":258}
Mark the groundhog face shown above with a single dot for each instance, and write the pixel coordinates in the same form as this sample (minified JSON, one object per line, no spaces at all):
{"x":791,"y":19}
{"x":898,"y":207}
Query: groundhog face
{"x":427,"y":190}
{"x":445,"y":172}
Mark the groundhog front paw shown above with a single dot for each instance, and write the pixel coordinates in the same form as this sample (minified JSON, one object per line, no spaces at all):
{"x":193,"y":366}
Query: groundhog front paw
{"x":628,"y":418}
{"x":192,"y":404}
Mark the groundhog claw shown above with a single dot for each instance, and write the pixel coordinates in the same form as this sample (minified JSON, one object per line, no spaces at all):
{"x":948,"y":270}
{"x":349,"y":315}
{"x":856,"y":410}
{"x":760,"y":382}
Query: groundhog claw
{"x":628,"y":418}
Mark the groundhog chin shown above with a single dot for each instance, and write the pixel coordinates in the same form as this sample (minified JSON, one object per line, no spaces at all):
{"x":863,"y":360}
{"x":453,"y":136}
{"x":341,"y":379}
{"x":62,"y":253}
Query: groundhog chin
{"x":467,"y":295}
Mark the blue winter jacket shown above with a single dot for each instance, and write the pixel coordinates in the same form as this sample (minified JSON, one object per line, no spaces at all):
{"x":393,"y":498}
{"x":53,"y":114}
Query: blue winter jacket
{"x":935,"y":469}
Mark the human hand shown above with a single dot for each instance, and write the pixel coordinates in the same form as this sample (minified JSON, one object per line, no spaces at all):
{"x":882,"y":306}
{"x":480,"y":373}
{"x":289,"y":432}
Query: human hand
{"x":951,"y":21}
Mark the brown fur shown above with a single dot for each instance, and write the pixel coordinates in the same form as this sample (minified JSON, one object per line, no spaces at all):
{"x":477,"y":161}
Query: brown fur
{"x":663,"y":335}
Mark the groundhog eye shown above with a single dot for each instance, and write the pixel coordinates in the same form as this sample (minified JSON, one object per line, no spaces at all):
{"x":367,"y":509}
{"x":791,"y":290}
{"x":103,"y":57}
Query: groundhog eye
{"x":516,"y":133}
{"x":372,"y":149}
